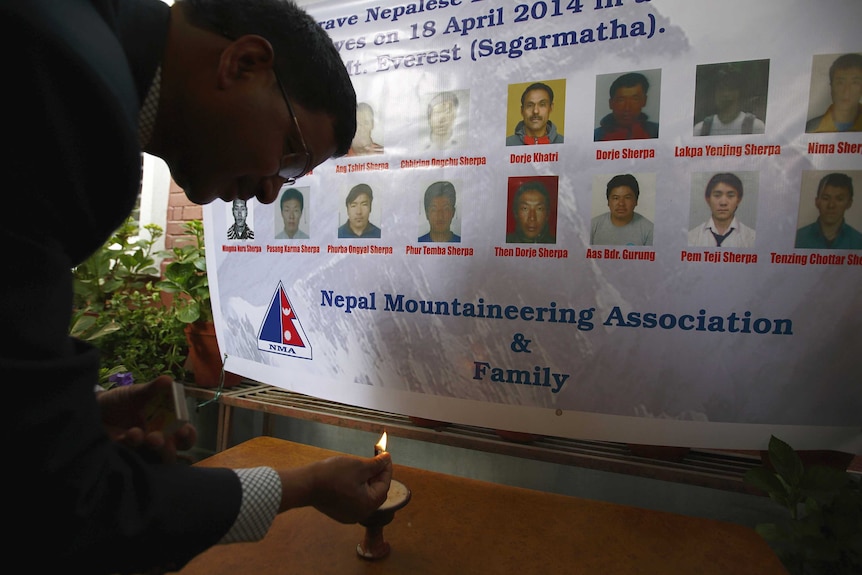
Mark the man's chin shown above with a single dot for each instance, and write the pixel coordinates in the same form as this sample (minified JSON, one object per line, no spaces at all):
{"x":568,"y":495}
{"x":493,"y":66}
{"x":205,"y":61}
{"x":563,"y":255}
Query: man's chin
{"x":198,"y":198}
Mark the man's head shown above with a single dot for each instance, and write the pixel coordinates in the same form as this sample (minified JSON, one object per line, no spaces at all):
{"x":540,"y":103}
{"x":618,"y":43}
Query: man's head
{"x":364,"y":121}
{"x":628,"y":96}
{"x":249,"y":89}
{"x":622,"y":193}
{"x":531,"y":206}
{"x":845,"y":81}
{"x":292,"y":204}
{"x":442,"y":110}
{"x":728,"y":91}
{"x":723,"y":195}
{"x":440,"y":206}
{"x":240,"y":212}
{"x":834,"y":197}
{"x":537,"y":103}
{"x":358,"y":204}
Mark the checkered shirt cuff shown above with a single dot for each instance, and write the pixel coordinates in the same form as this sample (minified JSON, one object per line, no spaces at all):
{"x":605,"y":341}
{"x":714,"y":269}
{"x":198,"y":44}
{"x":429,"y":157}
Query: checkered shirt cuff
{"x":261,"y":496}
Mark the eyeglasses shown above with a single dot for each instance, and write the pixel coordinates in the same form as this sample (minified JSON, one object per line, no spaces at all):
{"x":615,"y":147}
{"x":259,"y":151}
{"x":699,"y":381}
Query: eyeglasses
{"x":293,"y":165}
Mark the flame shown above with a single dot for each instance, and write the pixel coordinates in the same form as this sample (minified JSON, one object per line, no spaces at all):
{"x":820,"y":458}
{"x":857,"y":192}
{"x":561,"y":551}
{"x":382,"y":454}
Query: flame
{"x":380,"y":447}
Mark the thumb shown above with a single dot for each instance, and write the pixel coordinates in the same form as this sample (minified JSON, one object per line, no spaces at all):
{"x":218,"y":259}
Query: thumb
{"x":381,"y":463}
{"x":156,"y":386}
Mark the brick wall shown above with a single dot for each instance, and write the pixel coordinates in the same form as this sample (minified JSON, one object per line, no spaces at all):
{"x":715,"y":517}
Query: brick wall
{"x":180,"y":210}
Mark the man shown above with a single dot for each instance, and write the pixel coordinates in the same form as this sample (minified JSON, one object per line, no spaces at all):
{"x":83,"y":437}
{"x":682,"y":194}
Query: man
{"x":239,"y":230}
{"x":237,"y":97}
{"x":729,"y":117}
{"x":531,"y":208}
{"x":723,"y":230}
{"x":442,"y":111}
{"x":537,"y":103}
{"x":292,"y":205}
{"x":628,"y":96}
{"x":830,"y":231}
{"x":358,"y":203}
{"x":845,"y":84}
{"x":621,"y":226}
{"x":439,"y":210}
{"x":362,"y":143}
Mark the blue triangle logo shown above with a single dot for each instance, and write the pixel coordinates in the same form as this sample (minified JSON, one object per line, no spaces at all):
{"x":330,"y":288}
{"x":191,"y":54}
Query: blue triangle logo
{"x":281,"y":331}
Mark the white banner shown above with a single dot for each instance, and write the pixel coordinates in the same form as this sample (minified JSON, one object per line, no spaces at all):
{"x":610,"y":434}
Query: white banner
{"x":575,"y":288}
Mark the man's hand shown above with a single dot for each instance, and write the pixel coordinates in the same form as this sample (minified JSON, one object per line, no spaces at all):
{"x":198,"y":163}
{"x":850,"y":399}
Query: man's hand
{"x":124,"y":418}
{"x":348,"y":489}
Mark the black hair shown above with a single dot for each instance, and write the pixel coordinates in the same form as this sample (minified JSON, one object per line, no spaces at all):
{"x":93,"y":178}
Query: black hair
{"x":629,"y":80}
{"x":730,"y":79}
{"x":626,"y":180}
{"x":357,"y":190}
{"x":731,"y":180}
{"x":844,"y":62}
{"x":305,"y":56}
{"x":537,"y":86}
{"x":439,"y":190}
{"x":531,"y":186}
{"x":836,"y":180}
{"x":292,"y":194}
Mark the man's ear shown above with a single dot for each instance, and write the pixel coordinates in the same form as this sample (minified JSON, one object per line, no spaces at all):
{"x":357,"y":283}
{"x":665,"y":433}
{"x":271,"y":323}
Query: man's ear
{"x":243,"y":58}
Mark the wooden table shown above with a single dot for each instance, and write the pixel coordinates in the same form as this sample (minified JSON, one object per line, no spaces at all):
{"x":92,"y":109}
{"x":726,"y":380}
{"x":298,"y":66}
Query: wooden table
{"x":454,"y":525}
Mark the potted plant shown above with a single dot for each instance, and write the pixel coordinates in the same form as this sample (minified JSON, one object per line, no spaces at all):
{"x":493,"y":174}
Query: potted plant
{"x":187,"y":285}
{"x":118,"y":309}
{"x":821,"y":531}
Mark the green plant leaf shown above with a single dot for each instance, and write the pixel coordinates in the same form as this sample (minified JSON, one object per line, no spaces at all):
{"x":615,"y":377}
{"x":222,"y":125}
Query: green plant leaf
{"x":765,"y":480}
{"x":104,"y":330}
{"x":786,"y":462}
{"x":190,"y":313}
{"x":168,"y":287}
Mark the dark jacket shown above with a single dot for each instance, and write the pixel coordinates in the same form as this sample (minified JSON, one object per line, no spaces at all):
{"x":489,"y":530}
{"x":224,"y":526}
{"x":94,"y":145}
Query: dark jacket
{"x":519,"y":138}
{"x":609,"y":130}
{"x":78,"y":70}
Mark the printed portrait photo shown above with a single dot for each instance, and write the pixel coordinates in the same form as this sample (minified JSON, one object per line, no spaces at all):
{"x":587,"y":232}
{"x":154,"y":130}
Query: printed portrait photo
{"x":292,"y":213}
{"x":835,"y":100}
{"x":627,"y":106}
{"x":730,"y":98}
{"x":531,"y":215}
{"x":360,"y":212}
{"x":440,"y":216}
{"x":723,"y":210}
{"x":443,"y":120}
{"x":241,"y":215}
{"x":828,"y":217}
{"x":623,"y":209}
{"x":536,"y":113}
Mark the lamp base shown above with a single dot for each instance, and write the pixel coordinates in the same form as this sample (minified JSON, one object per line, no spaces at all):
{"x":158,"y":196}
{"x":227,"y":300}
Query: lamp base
{"x":373,"y":545}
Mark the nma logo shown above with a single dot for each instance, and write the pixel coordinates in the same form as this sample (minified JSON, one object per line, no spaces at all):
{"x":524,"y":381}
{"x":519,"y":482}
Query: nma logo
{"x":281,"y":331}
